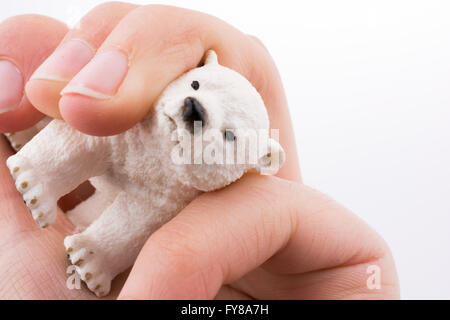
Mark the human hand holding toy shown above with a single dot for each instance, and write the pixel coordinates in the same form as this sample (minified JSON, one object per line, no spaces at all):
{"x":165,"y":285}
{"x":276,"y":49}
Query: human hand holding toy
{"x":261,"y":237}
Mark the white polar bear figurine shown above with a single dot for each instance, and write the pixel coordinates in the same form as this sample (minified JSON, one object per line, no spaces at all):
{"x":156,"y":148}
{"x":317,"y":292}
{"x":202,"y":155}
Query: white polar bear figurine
{"x":138,"y":185}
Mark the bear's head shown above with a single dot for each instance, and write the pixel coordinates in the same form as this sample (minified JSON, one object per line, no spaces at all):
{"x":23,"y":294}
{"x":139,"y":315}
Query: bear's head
{"x":218,"y":125}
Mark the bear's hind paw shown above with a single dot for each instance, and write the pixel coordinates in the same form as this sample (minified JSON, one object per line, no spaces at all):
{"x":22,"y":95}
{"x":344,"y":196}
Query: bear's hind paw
{"x":88,"y":263}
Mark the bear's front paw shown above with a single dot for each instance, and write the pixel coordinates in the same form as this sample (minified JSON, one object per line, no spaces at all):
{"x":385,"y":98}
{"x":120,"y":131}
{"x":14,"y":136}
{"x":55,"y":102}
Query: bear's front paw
{"x":15,"y":140}
{"x":89,"y":263}
{"x":37,"y":197}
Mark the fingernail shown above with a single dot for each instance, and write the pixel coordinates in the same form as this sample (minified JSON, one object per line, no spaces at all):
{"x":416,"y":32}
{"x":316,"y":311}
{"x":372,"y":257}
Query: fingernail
{"x":11,"y":86}
{"x":67,"y":60}
{"x":100,"y":78}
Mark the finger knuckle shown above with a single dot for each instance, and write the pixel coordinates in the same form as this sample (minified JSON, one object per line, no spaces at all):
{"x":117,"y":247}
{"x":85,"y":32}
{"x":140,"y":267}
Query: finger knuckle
{"x":172,"y":32}
{"x":21,"y":25}
{"x":258,"y":41}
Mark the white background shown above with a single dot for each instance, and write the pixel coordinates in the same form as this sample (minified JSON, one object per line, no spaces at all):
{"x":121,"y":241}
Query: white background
{"x":368,"y":84}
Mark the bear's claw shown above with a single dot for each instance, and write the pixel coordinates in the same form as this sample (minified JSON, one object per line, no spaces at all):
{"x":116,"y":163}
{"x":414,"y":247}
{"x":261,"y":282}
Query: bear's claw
{"x":88,"y":263}
{"x":28,"y":183}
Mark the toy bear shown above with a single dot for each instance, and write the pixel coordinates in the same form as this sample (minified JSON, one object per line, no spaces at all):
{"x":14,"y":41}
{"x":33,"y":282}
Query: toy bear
{"x":140,"y":181}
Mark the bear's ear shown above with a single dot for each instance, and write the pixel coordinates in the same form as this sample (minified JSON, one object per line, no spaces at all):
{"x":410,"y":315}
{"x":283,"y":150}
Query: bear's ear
{"x":211,"y":57}
{"x":273,"y":160}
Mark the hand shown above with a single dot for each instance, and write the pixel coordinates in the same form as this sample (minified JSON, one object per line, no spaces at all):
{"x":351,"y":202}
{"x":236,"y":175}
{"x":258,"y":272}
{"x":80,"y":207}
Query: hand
{"x":262,"y":237}
{"x":33,"y":261}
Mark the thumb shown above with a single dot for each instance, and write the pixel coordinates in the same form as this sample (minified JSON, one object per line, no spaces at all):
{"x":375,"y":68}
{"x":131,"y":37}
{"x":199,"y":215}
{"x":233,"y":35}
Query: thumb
{"x":221,"y":236}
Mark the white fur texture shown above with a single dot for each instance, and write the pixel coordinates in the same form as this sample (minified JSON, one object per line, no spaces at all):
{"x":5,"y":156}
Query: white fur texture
{"x":138,"y":187}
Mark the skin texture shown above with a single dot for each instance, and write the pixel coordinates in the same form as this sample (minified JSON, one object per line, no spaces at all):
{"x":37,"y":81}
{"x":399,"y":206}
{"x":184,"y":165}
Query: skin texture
{"x":26,"y":41}
{"x":262,"y":237}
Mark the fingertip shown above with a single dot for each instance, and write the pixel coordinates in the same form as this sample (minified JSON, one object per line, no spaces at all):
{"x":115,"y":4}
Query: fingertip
{"x":107,"y":96}
{"x":16,"y":111}
{"x":21,"y":118}
{"x":44,"y":95}
{"x":94,"y":117}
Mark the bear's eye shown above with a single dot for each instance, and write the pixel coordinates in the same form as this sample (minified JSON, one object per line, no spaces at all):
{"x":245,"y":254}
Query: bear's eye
{"x":229,"y":135}
{"x":195,"y":85}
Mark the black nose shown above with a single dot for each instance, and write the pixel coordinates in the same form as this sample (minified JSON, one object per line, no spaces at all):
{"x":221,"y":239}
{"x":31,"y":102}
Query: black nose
{"x":193,"y":111}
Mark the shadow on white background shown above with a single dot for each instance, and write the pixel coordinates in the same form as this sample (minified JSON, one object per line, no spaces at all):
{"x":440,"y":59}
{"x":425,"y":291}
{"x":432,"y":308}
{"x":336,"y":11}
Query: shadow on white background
{"x":369,"y":90}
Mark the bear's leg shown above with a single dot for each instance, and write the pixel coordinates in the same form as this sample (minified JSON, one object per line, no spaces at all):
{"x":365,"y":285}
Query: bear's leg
{"x":111,"y":243}
{"x":90,"y":209}
{"x":56,"y":161}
